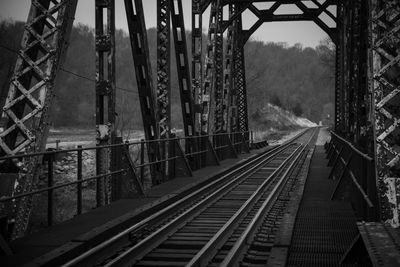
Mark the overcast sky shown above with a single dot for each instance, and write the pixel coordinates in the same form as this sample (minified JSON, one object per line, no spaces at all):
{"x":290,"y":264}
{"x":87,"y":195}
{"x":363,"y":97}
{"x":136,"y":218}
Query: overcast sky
{"x":306,"y":33}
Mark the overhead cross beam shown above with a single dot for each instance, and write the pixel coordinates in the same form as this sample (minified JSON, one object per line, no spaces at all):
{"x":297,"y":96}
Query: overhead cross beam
{"x":268,"y":14}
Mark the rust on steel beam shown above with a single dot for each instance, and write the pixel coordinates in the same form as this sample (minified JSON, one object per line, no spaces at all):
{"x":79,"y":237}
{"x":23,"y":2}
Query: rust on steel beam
{"x":141,"y":60}
{"x":385,"y":76}
{"x":164,"y":79}
{"x":105,"y":95}
{"x":182,"y":65}
{"x":30,"y":96}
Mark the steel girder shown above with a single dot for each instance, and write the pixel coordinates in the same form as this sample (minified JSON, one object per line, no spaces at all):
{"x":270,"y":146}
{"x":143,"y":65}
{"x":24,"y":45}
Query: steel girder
{"x":240,"y":80}
{"x":219,"y":106}
{"x":212,"y":82}
{"x":164,"y":79}
{"x":267,"y":14}
{"x":31,"y":94}
{"x":182,"y":65}
{"x":339,"y":70}
{"x":141,"y":60}
{"x":385,"y":73}
{"x":167,"y":9}
{"x":197,"y":59}
{"x":105,"y":95}
{"x":163,"y":67}
{"x":230,"y":112}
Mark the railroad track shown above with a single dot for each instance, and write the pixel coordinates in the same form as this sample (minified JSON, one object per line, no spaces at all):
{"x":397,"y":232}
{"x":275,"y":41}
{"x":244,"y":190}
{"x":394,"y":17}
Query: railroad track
{"x":231,"y":220}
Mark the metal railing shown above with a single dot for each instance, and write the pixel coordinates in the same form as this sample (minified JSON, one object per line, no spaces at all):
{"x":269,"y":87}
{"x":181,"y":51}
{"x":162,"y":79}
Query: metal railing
{"x":355,"y":172}
{"x":130,"y":165}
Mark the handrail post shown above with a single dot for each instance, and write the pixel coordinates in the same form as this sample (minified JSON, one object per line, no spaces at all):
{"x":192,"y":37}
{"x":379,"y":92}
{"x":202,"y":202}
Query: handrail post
{"x":50,"y":182}
{"x":79,"y":178}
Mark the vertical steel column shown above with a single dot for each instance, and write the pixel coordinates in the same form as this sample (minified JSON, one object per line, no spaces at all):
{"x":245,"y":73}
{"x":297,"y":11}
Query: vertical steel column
{"x":362,"y":130}
{"x":164,"y":67}
{"x":233,"y":94}
{"x":105,"y":95}
{"x":219,"y":97}
{"x":197,"y":61}
{"x":163,"y":78}
{"x":342,"y":66}
{"x":209,"y":83}
{"x":141,"y":60}
{"x":31,"y":92}
{"x":240,"y":74}
{"x":229,"y":93}
{"x":182,"y":65}
{"x":385,"y":80}
{"x":352,"y":63}
{"x":345,"y":68}
{"x":338,"y":69}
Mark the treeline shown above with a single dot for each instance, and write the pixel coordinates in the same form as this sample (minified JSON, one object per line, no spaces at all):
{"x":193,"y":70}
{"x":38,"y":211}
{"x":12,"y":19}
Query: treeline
{"x":292,"y":77}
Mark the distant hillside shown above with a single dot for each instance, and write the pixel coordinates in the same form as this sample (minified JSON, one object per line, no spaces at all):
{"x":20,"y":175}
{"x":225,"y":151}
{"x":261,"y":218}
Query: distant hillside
{"x":272,"y":118}
{"x":294,"y":78}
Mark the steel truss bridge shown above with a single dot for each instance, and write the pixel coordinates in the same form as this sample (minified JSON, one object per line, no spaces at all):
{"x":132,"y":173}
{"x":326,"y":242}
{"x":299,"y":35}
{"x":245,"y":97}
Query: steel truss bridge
{"x":212,"y":86}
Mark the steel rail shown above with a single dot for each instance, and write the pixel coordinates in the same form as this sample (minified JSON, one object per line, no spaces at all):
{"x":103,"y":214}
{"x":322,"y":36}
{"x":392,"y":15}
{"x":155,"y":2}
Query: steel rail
{"x":157,"y":237}
{"x":135,"y":254}
{"x":243,"y":240}
{"x":102,"y":247}
{"x":205,"y":254}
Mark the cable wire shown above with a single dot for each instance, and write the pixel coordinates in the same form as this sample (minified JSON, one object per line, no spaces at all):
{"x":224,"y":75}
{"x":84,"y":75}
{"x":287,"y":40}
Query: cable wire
{"x":73,"y":73}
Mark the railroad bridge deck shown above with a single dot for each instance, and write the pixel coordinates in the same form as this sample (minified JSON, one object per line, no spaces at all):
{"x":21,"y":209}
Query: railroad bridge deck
{"x":260,"y":211}
{"x":313,"y":230}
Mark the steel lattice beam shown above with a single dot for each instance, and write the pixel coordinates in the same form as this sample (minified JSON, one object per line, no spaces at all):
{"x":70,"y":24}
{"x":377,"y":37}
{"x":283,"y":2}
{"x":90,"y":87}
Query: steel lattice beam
{"x":164,"y":67}
{"x":233,"y":108}
{"x":31,"y":94}
{"x":212,"y":74}
{"x":240,"y":82}
{"x":385,"y":72}
{"x":164,"y":78}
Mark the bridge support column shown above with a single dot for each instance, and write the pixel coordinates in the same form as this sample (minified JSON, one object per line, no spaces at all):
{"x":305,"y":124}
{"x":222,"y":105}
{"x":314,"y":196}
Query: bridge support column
{"x":141,"y":60}
{"x":105,"y":96}
{"x":30,"y":96}
{"x":240,"y":83}
{"x":164,"y":81}
{"x":385,"y":81}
